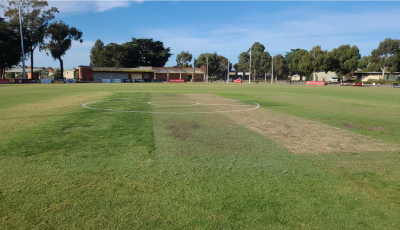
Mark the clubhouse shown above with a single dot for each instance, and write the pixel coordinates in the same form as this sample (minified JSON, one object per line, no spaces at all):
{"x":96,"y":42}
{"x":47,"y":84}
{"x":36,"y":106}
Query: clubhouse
{"x":144,"y":73}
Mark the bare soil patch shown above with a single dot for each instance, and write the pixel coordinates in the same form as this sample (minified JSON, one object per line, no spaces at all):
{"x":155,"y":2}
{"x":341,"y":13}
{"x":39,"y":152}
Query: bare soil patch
{"x":182,"y":130}
{"x":298,"y":135}
{"x":375,"y":129}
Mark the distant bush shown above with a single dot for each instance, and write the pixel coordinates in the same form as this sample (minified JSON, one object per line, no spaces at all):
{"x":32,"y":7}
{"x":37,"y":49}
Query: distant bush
{"x":380,"y":81}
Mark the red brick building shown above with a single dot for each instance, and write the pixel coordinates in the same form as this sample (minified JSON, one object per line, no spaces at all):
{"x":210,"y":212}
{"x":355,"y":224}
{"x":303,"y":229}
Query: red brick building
{"x":146,"y":73}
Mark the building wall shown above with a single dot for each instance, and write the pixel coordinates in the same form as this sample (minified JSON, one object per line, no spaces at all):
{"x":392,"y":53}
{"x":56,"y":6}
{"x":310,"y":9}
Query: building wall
{"x":374,"y":76}
{"x":35,"y":75}
{"x":86,"y":73}
{"x":163,"y":76}
{"x":199,"y":77}
{"x":109,"y":75}
{"x":69,"y":74}
{"x":369,"y":76}
{"x":135,"y":76}
{"x":322,"y":76}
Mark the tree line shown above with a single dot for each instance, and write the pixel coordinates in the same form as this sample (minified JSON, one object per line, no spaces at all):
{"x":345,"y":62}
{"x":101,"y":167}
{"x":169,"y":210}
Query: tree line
{"x":36,"y":29}
{"x":343,"y":60}
{"x":137,"y":52}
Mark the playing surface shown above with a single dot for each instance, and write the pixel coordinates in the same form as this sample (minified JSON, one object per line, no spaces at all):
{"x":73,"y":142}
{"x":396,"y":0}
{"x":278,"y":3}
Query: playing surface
{"x":199,"y":156}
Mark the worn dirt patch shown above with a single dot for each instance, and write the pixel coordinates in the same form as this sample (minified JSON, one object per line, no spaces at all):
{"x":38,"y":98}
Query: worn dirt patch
{"x":298,"y":135}
{"x":378,"y":129}
{"x":183,"y":130}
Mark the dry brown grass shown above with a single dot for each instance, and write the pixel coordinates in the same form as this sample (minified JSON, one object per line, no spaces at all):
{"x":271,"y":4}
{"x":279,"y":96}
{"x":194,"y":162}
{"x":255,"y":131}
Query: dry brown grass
{"x":298,"y":135}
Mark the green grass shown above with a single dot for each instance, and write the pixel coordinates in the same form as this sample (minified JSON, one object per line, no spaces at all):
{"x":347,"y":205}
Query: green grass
{"x":72,"y":167}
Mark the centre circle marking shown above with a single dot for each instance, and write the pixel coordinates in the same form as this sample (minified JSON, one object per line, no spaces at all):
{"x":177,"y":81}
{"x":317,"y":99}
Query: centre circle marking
{"x":153,"y":103}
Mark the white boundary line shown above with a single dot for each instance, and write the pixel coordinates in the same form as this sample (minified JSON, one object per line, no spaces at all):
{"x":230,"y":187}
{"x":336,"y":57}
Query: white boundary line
{"x":85,"y":105}
{"x":152,"y":103}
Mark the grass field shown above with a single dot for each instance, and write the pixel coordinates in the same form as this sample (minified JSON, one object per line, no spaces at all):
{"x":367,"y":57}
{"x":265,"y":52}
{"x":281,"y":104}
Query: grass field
{"x":200,"y":156}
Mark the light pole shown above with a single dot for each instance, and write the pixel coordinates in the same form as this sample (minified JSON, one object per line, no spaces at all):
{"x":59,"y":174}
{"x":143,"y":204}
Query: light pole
{"x":227,"y":74}
{"x":207,"y":70}
{"x":272,"y":77}
{"x":291,"y":64}
{"x":22,"y":41}
{"x":194,"y":70}
{"x":251,"y":50}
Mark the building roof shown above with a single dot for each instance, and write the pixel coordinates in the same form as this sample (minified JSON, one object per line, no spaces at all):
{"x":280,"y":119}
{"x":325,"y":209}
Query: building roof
{"x":145,"y":69}
{"x":177,"y":71}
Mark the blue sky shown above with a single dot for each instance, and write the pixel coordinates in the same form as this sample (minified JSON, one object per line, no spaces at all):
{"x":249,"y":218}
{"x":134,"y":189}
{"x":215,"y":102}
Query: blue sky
{"x":211,"y":26}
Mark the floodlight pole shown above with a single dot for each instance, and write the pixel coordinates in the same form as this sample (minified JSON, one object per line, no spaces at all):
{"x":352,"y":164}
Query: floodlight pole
{"x":22,"y":40}
{"x":251,"y":49}
{"x":194,"y":70}
{"x":291,"y":64}
{"x":227,"y":74}
{"x":207,"y":70}
{"x":272,"y":71}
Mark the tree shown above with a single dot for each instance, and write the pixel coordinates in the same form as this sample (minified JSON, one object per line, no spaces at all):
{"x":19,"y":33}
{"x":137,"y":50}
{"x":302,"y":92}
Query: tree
{"x":296,"y":62}
{"x":151,"y":53}
{"x":223,"y":66}
{"x":366,"y":65}
{"x":10,"y":47}
{"x":138,"y":52}
{"x":113,"y":55}
{"x":35,"y":18}
{"x":343,"y":60}
{"x":260,"y":60}
{"x":183,"y":59}
{"x":386,"y":50}
{"x":213,"y":62}
{"x":279,"y":66}
{"x":61,"y":36}
{"x":95,"y":53}
{"x":317,"y":59}
{"x":243,"y":64}
{"x":305,"y":63}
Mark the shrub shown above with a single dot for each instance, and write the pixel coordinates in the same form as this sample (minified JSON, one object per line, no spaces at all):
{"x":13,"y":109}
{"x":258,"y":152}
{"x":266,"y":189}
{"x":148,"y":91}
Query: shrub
{"x":380,"y":81}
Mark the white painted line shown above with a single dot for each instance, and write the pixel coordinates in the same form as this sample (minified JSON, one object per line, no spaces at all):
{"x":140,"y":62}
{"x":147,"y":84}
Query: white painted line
{"x":86,"y":105}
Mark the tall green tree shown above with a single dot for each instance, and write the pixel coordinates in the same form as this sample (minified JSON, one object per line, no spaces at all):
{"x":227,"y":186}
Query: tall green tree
{"x":365,"y":64}
{"x":279,"y":66}
{"x":97,"y":48}
{"x":151,"y":53}
{"x":113,"y":55}
{"x":10,"y":47}
{"x":183,"y":59}
{"x":294,"y":59}
{"x":343,"y":60}
{"x":385,"y":55}
{"x":305,"y":63}
{"x":257,"y":51}
{"x":223,"y":66}
{"x":213,"y":62}
{"x":243,"y":63}
{"x":318,"y":58}
{"x":36,"y":16}
{"x":260,"y":60}
{"x":61,"y":37}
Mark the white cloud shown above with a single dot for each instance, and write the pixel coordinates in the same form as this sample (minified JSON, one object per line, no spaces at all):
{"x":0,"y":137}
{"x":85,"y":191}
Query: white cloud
{"x":85,"y":6}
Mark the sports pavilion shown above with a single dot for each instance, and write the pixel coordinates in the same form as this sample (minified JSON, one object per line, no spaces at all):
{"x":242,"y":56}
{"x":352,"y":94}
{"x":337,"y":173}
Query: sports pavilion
{"x":146,"y":73}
